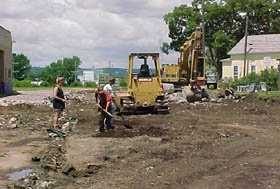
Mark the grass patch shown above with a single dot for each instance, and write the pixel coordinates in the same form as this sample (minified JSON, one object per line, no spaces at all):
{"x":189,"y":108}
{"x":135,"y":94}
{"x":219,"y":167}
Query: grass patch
{"x":269,"y":96}
{"x":31,"y":88}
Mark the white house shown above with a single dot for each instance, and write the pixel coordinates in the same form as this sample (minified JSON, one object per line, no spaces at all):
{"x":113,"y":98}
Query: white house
{"x":263,"y":52}
{"x":87,"y":75}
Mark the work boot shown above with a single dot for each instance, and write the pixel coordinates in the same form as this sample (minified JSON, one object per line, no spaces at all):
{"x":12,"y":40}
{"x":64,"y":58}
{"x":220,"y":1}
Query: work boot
{"x":101,"y":130}
{"x":111,"y":128}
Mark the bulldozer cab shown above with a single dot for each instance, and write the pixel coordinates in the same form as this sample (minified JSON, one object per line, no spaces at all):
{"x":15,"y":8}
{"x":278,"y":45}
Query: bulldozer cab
{"x":144,"y":80}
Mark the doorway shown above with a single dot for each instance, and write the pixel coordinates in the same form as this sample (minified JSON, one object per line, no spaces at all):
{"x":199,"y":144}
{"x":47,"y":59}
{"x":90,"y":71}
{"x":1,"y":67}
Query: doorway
{"x":2,"y":71}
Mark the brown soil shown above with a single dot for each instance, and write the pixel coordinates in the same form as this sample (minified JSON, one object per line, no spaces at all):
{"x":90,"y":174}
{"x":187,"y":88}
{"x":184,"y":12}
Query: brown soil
{"x":215,"y":146}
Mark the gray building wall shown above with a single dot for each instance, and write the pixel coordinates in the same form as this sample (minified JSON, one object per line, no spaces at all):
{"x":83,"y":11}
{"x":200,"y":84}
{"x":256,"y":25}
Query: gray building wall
{"x":5,"y":61}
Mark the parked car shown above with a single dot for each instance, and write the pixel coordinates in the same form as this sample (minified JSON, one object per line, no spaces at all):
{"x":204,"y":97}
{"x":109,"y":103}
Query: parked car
{"x":211,"y":80}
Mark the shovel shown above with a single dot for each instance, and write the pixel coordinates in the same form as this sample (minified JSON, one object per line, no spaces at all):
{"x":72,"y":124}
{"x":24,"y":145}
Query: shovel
{"x":124,"y":122}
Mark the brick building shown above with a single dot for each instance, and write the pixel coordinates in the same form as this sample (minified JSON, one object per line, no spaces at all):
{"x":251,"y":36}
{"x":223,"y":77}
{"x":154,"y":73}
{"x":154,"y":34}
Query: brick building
{"x":5,"y":61}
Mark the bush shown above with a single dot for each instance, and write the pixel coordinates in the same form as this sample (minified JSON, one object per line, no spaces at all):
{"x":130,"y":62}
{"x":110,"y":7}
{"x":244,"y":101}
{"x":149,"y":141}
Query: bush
{"x":90,"y":85}
{"x":76,"y":84}
{"x":22,"y":83}
{"x":45,"y":84}
{"x":123,"y":82}
{"x":224,"y":84}
{"x":270,"y":77}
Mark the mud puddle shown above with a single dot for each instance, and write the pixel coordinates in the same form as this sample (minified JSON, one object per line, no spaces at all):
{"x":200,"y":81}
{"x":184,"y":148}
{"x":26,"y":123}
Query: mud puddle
{"x":18,"y":175}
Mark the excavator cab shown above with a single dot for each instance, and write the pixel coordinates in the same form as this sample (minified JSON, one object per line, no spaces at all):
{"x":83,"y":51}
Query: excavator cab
{"x":145,"y":93}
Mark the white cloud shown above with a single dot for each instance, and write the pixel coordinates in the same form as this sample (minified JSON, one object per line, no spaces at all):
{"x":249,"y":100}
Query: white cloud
{"x":96,"y":31}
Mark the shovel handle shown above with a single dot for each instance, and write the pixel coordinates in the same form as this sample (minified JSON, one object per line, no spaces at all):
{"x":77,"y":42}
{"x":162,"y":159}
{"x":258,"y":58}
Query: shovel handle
{"x":108,"y":113}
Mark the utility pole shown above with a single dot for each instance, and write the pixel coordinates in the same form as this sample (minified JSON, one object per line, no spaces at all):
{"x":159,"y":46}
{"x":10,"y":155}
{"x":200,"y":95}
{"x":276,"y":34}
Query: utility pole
{"x":245,"y":45}
{"x":75,"y":71}
{"x":203,"y":35}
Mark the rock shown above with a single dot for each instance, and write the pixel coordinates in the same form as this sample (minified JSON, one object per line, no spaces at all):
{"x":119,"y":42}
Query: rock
{"x":204,"y":100}
{"x":197,"y":103}
{"x":68,"y":169}
{"x":45,"y":185}
{"x":181,"y":101}
{"x":52,"y":135}
{"x":237,"y":101}
{"x":213,"y":100}
{"x":12,"y":120}
{"x":36,"y":159}
{"x":65,"y":126}
{"x":106,"y":158}
{"x":12,"y":126}
{"x":4,"y":104}
{"x":93,"y":169}
{"x":220,"y":100}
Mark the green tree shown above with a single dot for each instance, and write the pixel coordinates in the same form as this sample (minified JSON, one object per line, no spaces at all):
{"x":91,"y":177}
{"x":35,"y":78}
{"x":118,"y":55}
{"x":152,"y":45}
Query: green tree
{"x":21,"y":66}
{"x":224,"y":25}
{"x":123,"y":82}
{"x":62,"y":68}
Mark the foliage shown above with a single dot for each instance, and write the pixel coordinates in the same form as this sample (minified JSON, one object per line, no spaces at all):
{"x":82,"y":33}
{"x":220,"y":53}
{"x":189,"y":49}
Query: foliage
{"x":224,"y":84}
{"x":270,"y":77}
{"x":22,"y":83}
{"x":86,"y":84}
{"x":45,"y":84}
{"x":123,"y":82}
{"x":76,"y":84}
{"x":62,"y":68}
{"x":90,"y":85}
{"x":21,"y":66}
{"x":35,"y":73}
{"x":224,"y":25}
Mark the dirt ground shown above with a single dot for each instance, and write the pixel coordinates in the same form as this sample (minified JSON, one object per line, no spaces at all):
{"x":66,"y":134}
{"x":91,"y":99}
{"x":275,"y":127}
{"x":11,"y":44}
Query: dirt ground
{"x":210,"y":145}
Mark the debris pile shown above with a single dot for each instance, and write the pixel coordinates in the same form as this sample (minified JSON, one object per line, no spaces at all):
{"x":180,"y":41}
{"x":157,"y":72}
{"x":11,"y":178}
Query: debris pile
{"x":77,"y":98}
{"x":176,"y":98}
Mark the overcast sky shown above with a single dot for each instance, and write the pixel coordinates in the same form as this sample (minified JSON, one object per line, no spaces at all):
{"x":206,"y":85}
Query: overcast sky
{"x":98,"y":31}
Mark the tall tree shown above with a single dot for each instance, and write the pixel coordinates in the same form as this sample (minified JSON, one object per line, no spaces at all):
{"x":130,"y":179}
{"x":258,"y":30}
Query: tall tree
{"x":21,"y":66}
{"x":224,"y":24}
{"x":62,"y":68}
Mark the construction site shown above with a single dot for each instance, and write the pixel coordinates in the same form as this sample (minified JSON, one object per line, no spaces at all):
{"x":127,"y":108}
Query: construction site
{"x":202,"y":145}
{"x":188,"y":138}
{"x":176,"y":125}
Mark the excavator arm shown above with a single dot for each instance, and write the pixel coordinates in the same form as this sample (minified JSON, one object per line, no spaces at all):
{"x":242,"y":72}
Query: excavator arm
{"x":190,"y":63}
{"x":191,"y":60}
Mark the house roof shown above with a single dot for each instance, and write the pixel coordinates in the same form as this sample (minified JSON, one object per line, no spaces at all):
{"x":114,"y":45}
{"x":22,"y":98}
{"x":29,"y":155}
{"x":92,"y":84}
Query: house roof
{"x":4,"y":29}
{"x":269,"y":43}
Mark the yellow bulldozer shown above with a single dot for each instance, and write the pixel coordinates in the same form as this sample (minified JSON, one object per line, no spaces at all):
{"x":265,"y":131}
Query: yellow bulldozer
{"x":190,"y":64}
{"x":145,"y":93}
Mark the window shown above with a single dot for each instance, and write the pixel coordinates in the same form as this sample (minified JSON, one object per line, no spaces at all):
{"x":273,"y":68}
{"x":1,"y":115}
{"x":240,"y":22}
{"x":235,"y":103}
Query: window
{"x":235,"y":72}
{"x":267,"y":62}
{"x":253,"y":68}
